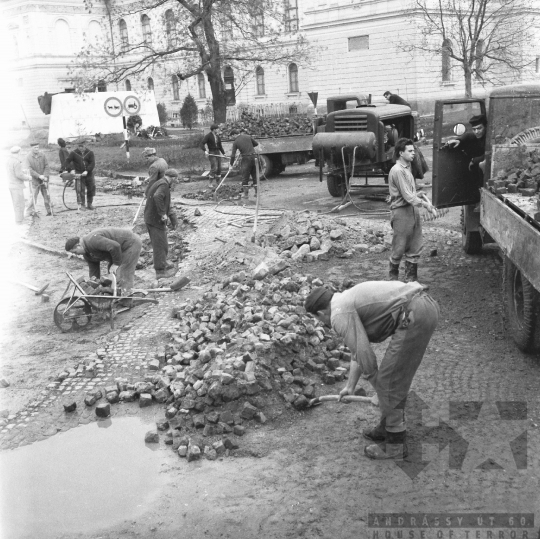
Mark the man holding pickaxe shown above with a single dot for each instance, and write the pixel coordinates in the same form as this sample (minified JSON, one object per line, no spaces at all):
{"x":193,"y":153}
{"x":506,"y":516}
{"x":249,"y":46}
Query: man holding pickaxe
{"x":38,"y":167}
{"x":215,"y":150}
{"x":373,"y":312}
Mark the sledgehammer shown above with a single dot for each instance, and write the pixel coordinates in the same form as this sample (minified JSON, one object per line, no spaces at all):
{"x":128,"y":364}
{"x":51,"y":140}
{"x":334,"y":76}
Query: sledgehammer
{"x":347,"y":398}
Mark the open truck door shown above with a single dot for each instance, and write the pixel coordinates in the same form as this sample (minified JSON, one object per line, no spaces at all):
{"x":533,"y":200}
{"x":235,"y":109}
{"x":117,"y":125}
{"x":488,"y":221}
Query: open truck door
{"x":453,"y":183}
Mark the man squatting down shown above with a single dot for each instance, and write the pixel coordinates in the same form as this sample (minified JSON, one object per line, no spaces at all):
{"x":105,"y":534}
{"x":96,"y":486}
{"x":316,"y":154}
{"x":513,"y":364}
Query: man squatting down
{"x":373,"y":312}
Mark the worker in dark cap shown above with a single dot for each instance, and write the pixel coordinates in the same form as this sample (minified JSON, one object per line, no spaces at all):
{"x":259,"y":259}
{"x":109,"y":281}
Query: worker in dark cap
{"x":157,"y":168}
{"x":246,"y":144}
{"x":395,"y":99}
{"x":213,"y":149}
{"x":82,"y":161}
{"x":473,"y":144}
{"x":373,"y":312}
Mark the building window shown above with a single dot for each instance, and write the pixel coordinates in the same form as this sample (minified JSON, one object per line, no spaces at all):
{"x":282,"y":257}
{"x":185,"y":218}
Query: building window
{"x":259,"y":72}
{"x":257,"y":21}
{"x":63,"y":38}
{"x":94,"y":32}
{"x":202,"y":87}
{"x":124,"y":39}
{"x":170,"y":27}
{"x":293,"y":78}
{"x":101,"y":86}
{"x":358,"y":43}
{"x":128,"y":85}
{"x":175,"y":88}
{"x":150,"y":83}
{"x":479,"y":59}
{"x":446,"y":67}
{"x":146,"y":30}
{"x":291,"y":15}
{"x":228,"y":79}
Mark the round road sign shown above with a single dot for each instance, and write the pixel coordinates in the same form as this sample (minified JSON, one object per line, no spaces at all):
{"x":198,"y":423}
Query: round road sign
{"x":132,"y":105}
{"x":113,"y":107}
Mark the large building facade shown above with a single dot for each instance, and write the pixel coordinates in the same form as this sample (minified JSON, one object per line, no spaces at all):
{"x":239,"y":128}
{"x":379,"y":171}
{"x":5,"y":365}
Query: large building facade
{"x":357,"y":47}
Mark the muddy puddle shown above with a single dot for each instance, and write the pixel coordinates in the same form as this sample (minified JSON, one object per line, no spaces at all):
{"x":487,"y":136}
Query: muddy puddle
{"x":90,"y":477}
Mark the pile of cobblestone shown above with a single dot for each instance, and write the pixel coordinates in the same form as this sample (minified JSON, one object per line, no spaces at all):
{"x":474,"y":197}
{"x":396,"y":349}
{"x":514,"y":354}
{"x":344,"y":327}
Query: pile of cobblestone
{"x":524,"y":179}
{"x":225,"y":192}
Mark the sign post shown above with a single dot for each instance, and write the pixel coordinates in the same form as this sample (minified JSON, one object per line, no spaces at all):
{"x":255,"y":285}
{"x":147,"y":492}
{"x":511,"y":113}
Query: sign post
{"x":132,"y":106}
{"x":313,"y":96}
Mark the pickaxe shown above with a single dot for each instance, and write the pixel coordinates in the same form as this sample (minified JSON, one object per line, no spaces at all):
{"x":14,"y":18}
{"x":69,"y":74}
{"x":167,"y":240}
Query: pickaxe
{"x":347,"y":398}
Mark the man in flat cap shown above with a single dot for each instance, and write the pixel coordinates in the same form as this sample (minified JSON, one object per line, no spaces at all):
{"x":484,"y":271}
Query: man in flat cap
{"x":157,"y":169}
{"x":82,"y":161}
{"x":246,"y":144}
{"x":373,"y":312}
{"x":38,"y":166}
{"x":158,"y":214}
{"x":16,"y":178}
{"x":395,"y":99}
{"x":473,"y":144}
{"x":119,"y":247}
{"x":212,"y":147}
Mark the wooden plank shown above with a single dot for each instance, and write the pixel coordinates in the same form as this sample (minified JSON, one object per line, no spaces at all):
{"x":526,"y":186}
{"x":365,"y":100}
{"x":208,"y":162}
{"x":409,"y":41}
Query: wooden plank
{"x":519,"y":240}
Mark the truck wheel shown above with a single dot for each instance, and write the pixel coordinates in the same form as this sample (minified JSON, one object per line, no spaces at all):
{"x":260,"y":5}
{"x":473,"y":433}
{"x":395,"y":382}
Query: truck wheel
{"x":336,"y":185}
{"x":522,"y":308}
{"x":471,"y":241}
{"x":267,"y":167}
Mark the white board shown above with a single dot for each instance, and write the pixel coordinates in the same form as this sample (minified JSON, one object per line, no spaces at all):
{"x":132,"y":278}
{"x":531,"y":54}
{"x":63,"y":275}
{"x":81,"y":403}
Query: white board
{"x":80,"y":115}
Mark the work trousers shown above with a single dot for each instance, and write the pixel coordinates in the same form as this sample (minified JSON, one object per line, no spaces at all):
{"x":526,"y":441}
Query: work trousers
{"x":85,"y":187}
{"x":37,"y":187}
{"x":402,"y":358}
{"x":17,"y":197}
{"x":407,"y":240}
{"x":215,"y":167}
{"x":126,"y":271}
{"x":160,"y":246}
{"x":247,"y":169}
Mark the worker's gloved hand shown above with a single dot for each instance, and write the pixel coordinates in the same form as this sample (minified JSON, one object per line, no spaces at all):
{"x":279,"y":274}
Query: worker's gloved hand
{"x":42,"y":178}
{"x":453,"y":143}
{"x":164,"y":219}
{"x":113,"y":269}
{"x":345,"y":391}
{"x":84,"y":173}
{"x":72,"y":172}
{"x":206,"y":152}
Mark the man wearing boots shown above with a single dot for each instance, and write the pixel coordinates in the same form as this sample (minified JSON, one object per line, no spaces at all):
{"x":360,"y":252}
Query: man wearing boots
{"x":212,"y":147}
{"x":82,"y":161}
{"x":38,"y":167}
{"x":372,"y":312}
{"x":406,"y":220}
{"x":157,"y":214}
{"x":246,"y":144}
{"x":157,"y":169}
{"x":118,"y":246}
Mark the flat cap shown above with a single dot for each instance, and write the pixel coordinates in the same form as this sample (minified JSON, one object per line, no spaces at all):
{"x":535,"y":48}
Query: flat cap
{"x":15,"y":149}
{"x":318,"y":299}
{"x":80,"y":141}
{"x":171,"y":172}
{"x":149,"y":151}
{"x":32,"y":144}
{"x":478,"y":119}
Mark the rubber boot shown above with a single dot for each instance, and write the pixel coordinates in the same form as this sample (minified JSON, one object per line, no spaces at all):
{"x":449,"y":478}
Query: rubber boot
{"x":376,"y":434}
{"x":393,"y":272}
{"x":245,"y":192}
{"x":411,"y":272}
{"x":395,"y":447}
{"x":89,"y":205}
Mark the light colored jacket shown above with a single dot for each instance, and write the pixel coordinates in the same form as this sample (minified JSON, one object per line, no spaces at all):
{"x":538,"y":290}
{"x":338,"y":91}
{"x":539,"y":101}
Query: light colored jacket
{"x":16,"y":176}
{"x":38,"y":166}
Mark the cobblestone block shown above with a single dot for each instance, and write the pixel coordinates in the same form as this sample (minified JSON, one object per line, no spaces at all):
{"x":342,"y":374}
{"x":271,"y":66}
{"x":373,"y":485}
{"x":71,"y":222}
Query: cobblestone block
{"x":151,"y":437}
{"x":103,"y":410}
{"x":145,"y":399}
{"x":70,"y":406}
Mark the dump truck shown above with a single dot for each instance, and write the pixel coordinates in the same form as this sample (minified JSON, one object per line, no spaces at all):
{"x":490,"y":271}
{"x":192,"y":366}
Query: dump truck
{"x":279,"y":152}
{"x":500,"y":203}
{"x":359,"y":142}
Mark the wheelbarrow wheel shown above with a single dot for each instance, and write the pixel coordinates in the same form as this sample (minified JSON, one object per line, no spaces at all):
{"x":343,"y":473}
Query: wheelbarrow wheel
{"x":69,"y":195}
{"x":78,"y":316}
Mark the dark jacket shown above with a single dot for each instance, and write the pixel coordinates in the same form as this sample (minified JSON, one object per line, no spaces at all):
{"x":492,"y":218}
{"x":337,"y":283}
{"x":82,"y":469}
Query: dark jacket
{"x":81,"y":161}
{"x":156,"y":171}
{"x":473,"y":147}
{"x":213,"y":141}
{"x":158,"y":204}
{"x":395,"y":99}
{"x":106,"y":244}
{"x":245,"y":145}
{"x":63,"y":154}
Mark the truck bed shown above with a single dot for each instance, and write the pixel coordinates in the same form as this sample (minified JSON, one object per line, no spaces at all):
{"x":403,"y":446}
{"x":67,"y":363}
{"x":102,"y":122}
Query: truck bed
{"x":270,"y":145}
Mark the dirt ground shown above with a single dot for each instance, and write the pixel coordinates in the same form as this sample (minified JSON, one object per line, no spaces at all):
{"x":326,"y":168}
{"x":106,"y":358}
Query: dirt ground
{"x":304,"y":474}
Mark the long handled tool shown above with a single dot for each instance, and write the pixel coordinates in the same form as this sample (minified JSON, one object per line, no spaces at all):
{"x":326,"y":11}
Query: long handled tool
{"x":37,"y":291}
{"x":35,"y":212}
{"x":177,"y":285}
{"x":225,"y":177}
{"x":138,"y":211}
{"x":46,"y":184}
{"x":347,"y":398}
{"x":255,"y":222}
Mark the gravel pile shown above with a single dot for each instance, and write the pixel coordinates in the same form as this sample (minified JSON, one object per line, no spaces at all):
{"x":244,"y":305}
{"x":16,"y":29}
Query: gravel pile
{"x":225,"y":192}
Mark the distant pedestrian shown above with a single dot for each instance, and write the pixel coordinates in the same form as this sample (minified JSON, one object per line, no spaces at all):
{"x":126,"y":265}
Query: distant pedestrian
{"x":16,"y":178}
{"x":82,"y":161}
{"x":63,"y":154}
{"x":246,"y":144}
{"x":395,"y":99}
{"x":158,"y":213}
{"x":212,"y":147}
{"x":38,"y":166}
{"x":406,"y":220}
{"x":157,"y":169}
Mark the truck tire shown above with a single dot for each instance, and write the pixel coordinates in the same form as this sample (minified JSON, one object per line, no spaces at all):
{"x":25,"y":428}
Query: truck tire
{"x":471,"y":240}
{"x":267,"y":167}
{"x":522,"y":308}
{"x":336,"y":185}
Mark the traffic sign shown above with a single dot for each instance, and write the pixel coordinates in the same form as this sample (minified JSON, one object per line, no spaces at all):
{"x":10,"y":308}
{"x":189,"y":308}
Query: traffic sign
{"x":132,"y":105}
{"x":113,"y":107}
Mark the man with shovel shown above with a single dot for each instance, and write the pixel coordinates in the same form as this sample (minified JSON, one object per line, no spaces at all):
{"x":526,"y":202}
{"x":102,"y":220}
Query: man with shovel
{"x":38,"y":167}
{"x":372,"y":312}
{"x":215,"y":150}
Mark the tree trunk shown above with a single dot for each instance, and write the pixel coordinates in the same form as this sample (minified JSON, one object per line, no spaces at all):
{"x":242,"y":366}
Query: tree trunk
{"x":468,"y":82}
{"x":219,"y":103}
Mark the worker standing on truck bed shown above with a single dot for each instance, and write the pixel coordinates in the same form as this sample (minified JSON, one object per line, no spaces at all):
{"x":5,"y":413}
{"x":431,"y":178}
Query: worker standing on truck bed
{"x":212,"y":147}
{"x":82,"y":161}
{"x":406,"y":220}
{"x":473,"y":144}
{"x":246,"y":144}
{"x":372,"y":312}
{"x":119,"y":247}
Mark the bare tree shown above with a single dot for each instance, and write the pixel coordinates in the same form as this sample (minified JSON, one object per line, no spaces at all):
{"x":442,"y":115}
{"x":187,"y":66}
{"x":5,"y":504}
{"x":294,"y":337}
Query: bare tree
{"x":487,"y":38}
{"x":201,"y":36}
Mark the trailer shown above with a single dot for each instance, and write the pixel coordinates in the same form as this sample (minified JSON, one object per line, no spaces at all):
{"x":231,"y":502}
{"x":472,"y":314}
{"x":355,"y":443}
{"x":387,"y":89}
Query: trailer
{"x":494,"y":210}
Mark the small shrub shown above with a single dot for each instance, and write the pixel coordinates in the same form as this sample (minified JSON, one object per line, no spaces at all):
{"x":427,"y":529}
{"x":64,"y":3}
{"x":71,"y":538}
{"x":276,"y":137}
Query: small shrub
{"x":189,"y":112}
{"x":132,"y":120}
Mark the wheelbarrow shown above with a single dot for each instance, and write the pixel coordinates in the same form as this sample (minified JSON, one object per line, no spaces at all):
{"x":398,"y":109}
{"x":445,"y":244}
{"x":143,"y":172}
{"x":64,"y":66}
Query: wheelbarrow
{"x":76,"y":308}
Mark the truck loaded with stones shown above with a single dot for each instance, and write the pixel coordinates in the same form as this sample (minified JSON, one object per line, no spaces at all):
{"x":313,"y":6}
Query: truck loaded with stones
{"x":501,"y":204}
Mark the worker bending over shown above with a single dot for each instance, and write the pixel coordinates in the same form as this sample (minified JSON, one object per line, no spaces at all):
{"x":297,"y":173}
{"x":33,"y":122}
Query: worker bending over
{"x":246,"y":144}
{"x":372,"y":312}
{"x":117,"y":246}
